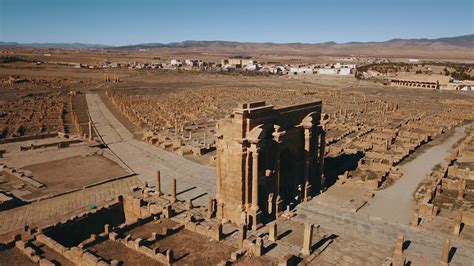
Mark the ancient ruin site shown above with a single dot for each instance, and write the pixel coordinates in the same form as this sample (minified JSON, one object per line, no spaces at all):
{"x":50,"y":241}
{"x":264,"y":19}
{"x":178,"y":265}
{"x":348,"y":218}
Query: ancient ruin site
{"x":291,"y":151}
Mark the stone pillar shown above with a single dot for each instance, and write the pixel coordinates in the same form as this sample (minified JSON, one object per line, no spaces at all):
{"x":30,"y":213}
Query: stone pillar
{"x":258,"y":247}
{"x":255,"y":180}
{"x":158,"y":183}
{"x":255,"y":211}
{"x":247,"y":179}
{"x":272,"y":231}
{"x":173,"y":191}
{"x":445,"y":256}
{"x":457,"y":224}
{"x":270,"y":203}
{"x":189,"y":204}
{"x":415,"y":219}
{"x":399,"y":245}
{"x":167,"y":211}
{"x":91,"y":138}
{"x":307,"y":239}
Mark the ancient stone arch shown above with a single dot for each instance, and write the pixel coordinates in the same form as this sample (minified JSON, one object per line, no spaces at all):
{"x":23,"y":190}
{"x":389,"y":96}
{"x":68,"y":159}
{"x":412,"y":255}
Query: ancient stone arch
{"x":267,"y":158}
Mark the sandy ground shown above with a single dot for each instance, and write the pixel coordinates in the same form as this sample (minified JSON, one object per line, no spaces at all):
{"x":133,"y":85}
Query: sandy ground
{"x":113,"y":250}
{"x":14,"y":256}
{"x":193,"y":249}
{"x":74,"y":172}
{"x":396,"y":203}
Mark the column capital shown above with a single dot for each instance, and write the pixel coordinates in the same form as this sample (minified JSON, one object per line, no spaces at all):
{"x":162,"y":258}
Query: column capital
{"x":254,"y":149}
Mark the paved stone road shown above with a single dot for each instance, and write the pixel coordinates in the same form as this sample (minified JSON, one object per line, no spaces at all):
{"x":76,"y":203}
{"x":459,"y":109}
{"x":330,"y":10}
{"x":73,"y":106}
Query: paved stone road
{"x":390,"y":211}
{"x":424,"y":243}
{"x":194,"y":181}
{"x":396,"y":203}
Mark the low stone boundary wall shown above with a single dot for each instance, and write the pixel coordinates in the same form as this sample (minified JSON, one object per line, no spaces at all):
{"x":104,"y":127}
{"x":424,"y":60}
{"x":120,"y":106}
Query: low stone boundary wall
{"x":59,"y":144}
{"x":84,"y":187}
{"x":77,"y":255}
{"x":29,"y":137}
{"x":21,"y":175}
{"x":25,"y":248}
{"x":137,"y":244}
{"x":213,"y":232}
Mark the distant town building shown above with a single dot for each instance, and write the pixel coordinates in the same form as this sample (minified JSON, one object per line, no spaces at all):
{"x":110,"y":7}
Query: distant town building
{"x":327,"y":71}
{"x":337,"y":69}
{"x":434,"y":81}
{"x":301,"y":70}
{"x":238,"y":61}
{"x":176,"y":62}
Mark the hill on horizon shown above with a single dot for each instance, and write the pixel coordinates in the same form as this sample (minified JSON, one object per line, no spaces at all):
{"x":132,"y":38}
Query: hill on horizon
{"x":461,"y":41}
{"x":456,"y":48}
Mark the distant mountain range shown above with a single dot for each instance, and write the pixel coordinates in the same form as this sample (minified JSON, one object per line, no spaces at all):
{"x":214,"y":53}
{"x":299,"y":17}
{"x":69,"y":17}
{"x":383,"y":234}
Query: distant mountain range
{"x":54,"y":45}
{"x":465,"y":41}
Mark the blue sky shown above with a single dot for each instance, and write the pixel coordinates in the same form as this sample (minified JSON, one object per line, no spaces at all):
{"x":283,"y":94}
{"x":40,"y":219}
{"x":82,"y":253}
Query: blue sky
{"x":120,"y":22}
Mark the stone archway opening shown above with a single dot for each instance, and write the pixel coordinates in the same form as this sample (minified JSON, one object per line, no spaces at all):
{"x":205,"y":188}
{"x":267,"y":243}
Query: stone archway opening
{"x":287,"y":188}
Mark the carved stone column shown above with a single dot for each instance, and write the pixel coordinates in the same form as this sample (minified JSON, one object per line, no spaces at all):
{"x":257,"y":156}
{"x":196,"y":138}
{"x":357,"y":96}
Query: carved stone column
{"x":90,"y":131}
{"x":254,"y":210}
{"x":247,"y":179}
{"x":158,"y":184}
{"x":255,"y":152}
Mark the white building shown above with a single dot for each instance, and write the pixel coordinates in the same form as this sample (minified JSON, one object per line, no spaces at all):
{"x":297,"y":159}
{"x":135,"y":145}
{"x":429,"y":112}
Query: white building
{"x":344,"y":71}
{"x":328,"y":71}
{"x":300,"y":70}
{"x":176,"y":62}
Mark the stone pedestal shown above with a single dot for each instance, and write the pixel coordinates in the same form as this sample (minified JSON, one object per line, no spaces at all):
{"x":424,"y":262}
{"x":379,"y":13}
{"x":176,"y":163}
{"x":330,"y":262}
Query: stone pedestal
{"x":272,"y":231}
{"x":256,"y":218}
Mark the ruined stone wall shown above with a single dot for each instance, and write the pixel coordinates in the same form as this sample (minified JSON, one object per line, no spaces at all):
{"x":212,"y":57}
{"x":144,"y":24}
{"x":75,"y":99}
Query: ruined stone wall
{"x":71,"y":234}
{"x":79,"y":115}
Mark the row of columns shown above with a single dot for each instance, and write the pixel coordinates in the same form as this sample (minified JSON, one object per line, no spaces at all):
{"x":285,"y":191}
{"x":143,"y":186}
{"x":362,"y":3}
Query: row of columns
{"x":415,"y":84}
{"x":158,"y":187}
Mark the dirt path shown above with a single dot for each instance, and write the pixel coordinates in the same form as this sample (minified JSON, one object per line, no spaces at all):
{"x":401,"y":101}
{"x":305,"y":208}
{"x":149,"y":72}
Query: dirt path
{"x":396,"y":203}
